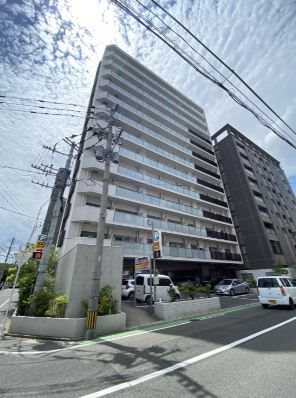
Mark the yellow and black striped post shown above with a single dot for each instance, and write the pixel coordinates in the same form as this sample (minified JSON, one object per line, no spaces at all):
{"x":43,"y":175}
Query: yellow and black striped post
{"x":91,"y":319}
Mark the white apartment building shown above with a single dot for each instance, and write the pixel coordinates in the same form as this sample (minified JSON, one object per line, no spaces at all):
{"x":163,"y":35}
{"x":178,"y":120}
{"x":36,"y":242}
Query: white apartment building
{"x":167,"y":172}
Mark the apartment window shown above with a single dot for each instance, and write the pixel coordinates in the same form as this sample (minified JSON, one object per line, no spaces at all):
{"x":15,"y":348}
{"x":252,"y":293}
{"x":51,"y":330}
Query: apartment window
{"x":88,"y":234}
{"x":92,"y":204}
{"x":276,"y":247}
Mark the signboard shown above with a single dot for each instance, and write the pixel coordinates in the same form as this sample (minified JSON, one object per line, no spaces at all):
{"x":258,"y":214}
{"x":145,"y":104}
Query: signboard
{"x":39,"y":246}
{"x":142,"y":265}
{"x":157,"y":244}
{"x":22,"y":258}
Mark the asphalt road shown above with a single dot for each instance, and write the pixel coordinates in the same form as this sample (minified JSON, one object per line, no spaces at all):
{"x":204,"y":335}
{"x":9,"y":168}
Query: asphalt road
{"x":218,"y":363}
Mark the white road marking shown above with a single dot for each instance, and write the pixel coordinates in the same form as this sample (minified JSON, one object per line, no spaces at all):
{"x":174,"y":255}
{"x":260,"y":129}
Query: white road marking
{"x":184,"y":364}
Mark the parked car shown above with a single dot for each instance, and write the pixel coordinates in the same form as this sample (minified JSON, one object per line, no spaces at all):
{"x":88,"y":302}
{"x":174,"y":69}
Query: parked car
{"x":276,"y":290}
{"x":231,"y":287}
{"x":128,"y":289}
{"x":143,"y":293}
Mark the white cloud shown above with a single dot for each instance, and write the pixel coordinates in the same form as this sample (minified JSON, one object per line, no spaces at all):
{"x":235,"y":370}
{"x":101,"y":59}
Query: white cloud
{"x":52,"y":53}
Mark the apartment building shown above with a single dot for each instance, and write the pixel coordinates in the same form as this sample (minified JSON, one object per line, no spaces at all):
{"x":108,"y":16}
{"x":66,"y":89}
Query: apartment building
{"x":261,"y":201}
{"x":167,"y":173}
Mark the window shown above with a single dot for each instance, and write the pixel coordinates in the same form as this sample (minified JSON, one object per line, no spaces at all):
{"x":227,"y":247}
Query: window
{"x":276,"y":247}
{"x":164,"y":282}
{"x":88,"y":234}
{"x":285,"y":282}
{"x":140,"y":280}
{"x":268,"y":282}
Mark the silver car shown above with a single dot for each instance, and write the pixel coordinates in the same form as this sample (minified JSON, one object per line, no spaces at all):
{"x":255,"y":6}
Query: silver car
{"x":232,"y":287}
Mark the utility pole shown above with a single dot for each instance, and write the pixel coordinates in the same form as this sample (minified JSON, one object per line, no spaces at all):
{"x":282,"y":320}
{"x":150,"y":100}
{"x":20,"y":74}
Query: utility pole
{"x":51,"y":223}
{"x":107,"y":155}
{"x":6,"y":258}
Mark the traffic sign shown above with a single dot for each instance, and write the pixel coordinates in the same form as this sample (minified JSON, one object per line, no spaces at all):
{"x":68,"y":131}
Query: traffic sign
{"x":157,"y":244}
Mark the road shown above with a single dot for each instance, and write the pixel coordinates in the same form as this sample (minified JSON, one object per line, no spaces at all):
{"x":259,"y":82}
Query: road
{"x":240,"y":353}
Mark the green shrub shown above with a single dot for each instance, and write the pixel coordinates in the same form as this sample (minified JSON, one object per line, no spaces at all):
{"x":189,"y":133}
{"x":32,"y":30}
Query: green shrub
{"x":206,"y":290}
{"x":172,"y":293}
{"x":107,"y":304}
{"x":57,"y":306}
{"x":188,"y":290}
{"x":41,"y":301}
{"x":252,"y":283}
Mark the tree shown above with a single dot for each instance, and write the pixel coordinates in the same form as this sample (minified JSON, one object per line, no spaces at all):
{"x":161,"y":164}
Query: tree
{"x":279,"y":269}
{"x":26,"y":282}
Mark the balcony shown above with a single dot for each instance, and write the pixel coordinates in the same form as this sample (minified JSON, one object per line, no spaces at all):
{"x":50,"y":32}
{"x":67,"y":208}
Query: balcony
{"x":199,"y":136}
{"x":213,"y":200}
{"x":221,"y":235}
{"x":198,"y":115}
{"x":225,"y":256}
{"x":157,"y":165}
{"x":151,"y":200}
{"x":202,"y":147}
{"x":157,"y":149}
{"x":126,"y":172}
{"x":139,"y":221}
{"x":217,"y":217}
{"x":206,"y":171}
{"x":131,"y":249}
{"x":198,"y":156}
{"x":209,"y":185}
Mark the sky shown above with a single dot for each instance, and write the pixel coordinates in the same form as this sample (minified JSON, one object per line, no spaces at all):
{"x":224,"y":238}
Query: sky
{"x":50,"y":49}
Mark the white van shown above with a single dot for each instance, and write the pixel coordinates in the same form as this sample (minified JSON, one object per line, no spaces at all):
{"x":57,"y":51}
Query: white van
{"x":163,"y":284}
{"x":276,"y":290}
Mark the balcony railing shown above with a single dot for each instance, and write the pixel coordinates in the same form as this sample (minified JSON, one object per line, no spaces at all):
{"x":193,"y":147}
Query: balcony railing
{"x":202,"y":147}
{"x":132,"y":219}
{"x":209,"y":185}
{"x":137,"y":249}
{"x":159,"y":166}
{"x":221,"y":235}
{"x":199,"y":136}
{"x":225,"y":256}
{"x":217,"y":217}
{"x":197,"y":155}
{"x":190,"y":110}
{"x":155,"y":181}
{"x":206,"y":171}
{"x":213,"y":200}
{"x":143,"y":198}
{"x":157,"y":149}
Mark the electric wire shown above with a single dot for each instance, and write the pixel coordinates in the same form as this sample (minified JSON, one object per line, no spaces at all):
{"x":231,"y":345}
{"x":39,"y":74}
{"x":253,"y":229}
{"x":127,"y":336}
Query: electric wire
{"x":223,"y":63}
{"x":16,"y":212}
{"x":211,"y":65}
{"x":162,"y":36}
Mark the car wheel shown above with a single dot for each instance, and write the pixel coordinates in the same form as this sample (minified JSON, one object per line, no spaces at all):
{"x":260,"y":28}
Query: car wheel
{"x":291,"y":304}
{"x":231,"y":292}
{"x":148,"y":300}
{"x":265,"y":306}
{"x":247,"y":290}
{"x":131,"y":296}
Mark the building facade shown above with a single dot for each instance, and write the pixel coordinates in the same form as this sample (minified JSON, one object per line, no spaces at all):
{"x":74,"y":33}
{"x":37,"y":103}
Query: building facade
{"x":167,"y":174}
{"x":261,"y":201}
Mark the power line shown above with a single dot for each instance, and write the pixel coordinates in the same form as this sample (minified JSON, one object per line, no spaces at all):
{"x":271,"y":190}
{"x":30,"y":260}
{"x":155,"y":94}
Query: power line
{"x":224,"y":64}
{"x":42,"y":107}
{"x":41,"y":100}
{"x":40,"y":113}
{"x":16,"y":212}
{"x":211,"y":65}
{"x":147,"y":23}
{"x":16,"y":168}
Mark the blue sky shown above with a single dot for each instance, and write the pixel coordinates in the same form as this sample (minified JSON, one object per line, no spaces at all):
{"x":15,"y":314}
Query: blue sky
{"x":49,"y":49}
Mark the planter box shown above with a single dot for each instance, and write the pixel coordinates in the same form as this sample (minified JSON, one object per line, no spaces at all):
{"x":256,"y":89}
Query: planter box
{"x":67,"y":328}
{"x":110,"y":323}
{"x":71,"y":328}
{"x":186,"y":308}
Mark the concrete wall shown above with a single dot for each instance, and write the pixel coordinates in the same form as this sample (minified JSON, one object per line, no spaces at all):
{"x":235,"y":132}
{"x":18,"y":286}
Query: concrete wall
{"x":74,"y":273}
{"x":183,"y":309}
{"x":48,"y":327}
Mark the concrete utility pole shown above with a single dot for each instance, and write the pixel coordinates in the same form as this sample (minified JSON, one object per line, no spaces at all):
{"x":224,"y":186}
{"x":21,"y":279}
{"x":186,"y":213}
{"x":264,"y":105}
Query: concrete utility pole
{"x":108,"y":156}
{"x":6,"y":258}
{"x":51,"y":224}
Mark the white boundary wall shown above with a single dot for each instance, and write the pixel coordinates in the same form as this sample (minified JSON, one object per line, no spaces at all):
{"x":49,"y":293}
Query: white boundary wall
{"x":185,"y":308}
